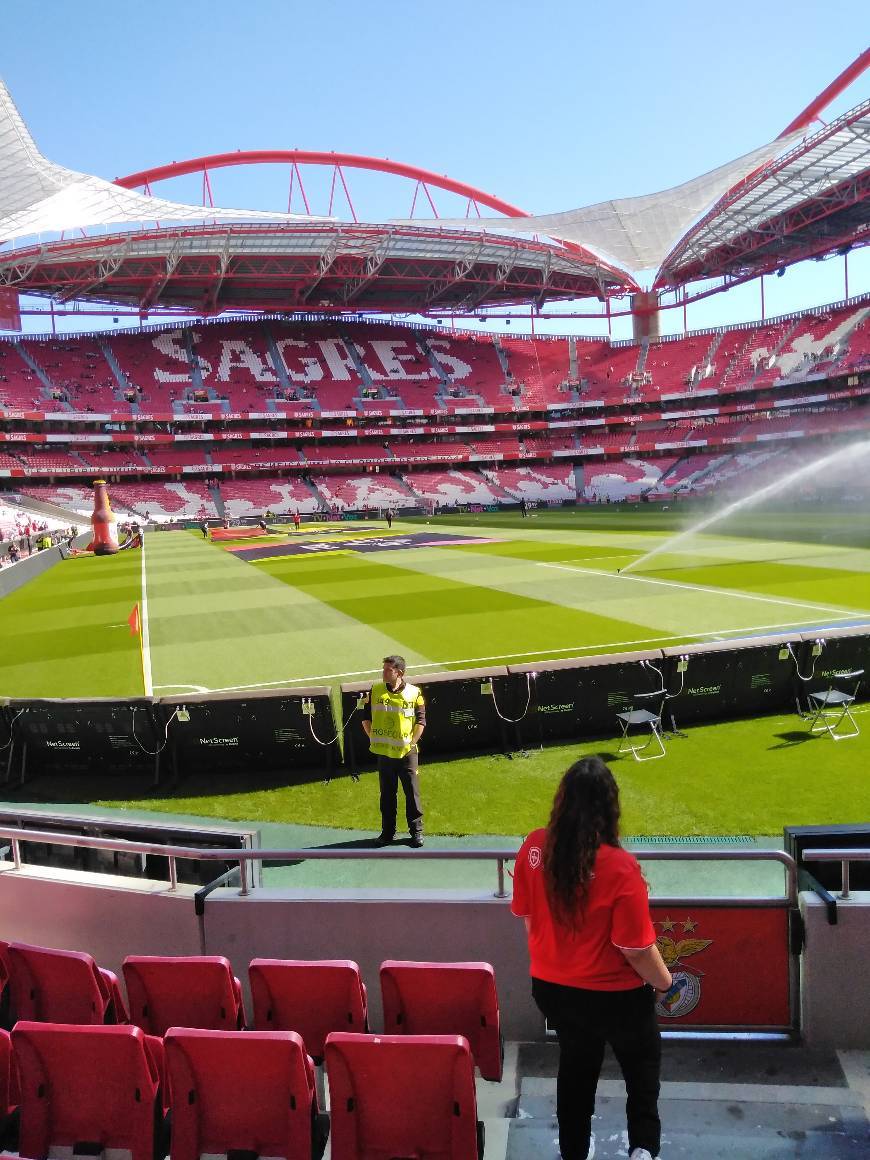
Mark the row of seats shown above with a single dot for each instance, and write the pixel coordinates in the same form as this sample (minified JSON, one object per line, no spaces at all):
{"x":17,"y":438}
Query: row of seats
{"x":79,"y":1076}
{"x":309,"y":998}
{"x":249,"y":365}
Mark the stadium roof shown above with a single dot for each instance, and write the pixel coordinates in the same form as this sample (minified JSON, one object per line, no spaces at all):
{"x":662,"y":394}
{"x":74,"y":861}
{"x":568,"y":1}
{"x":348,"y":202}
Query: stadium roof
{"x":796,"y":197}
{"x":633,"y":232}
{"x":809,"y":201}
{"x":37,"y":196}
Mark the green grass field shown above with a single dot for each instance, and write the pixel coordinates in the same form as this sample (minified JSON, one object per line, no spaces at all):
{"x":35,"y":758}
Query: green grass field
{"x":506,"y":589}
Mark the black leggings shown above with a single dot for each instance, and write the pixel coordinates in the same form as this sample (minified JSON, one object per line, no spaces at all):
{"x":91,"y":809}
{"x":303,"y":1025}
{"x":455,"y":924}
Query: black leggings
{"x":584,"y":1022}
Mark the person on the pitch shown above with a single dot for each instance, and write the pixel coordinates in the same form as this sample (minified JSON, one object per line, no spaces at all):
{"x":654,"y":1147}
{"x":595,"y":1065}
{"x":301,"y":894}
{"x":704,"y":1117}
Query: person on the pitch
{"x":394,"y":720}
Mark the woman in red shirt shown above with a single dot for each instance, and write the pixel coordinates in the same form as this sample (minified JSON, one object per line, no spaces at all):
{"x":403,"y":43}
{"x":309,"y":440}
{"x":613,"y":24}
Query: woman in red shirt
{"x":595,"y":965}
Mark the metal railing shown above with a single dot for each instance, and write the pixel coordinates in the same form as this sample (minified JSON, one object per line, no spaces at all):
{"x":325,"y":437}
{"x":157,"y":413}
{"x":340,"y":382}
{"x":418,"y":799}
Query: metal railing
{"x":244,"y":858}
{"x":844,"y":857}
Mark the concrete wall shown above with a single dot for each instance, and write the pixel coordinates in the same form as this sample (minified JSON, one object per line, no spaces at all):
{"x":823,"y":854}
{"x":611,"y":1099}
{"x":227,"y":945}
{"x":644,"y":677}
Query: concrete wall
{"x":370,"y":928}
{"x":113,"y":917}
{"x":15,"y":575}
{"x":835,"y":980}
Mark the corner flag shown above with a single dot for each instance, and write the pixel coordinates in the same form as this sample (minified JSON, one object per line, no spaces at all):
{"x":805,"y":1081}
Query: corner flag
{"x":134,"y":622}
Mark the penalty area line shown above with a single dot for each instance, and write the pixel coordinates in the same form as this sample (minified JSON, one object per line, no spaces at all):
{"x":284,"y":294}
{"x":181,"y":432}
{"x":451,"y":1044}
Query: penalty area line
{"x":538,"y":654}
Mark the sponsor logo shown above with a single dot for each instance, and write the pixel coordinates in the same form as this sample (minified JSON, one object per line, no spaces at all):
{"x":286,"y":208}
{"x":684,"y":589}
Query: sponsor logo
{"x":555,"y":708}
{"x":63,"y":745}
{"x":704,"y":690}
{"x":219,"y":742}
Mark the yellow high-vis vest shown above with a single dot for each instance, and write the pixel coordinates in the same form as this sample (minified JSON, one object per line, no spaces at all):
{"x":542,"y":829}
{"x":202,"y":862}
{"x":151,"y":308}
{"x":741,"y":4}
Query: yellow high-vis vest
{"x":393,"y":719}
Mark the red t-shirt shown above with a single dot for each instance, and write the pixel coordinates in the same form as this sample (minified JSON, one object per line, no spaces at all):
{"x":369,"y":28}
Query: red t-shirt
{"x":615,"y":914}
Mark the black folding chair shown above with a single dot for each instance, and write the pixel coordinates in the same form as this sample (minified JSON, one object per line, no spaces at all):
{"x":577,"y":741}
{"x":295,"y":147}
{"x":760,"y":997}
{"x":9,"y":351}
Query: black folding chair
{"x":645,"y":713}
{"x":830,"y":707}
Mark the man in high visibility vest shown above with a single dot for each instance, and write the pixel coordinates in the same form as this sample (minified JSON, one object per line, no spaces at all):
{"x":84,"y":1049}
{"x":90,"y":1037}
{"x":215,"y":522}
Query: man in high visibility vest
{"x":394,"y":720}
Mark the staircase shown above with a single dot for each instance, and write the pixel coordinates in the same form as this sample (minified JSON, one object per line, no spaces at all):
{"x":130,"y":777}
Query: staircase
{"x":277,"y":363}
{"x":115,"y":367}
{"x":502,"y":358}
{"x":35,"y":367}
{"x":195,"y":367}
{"x":573,"y":361}
{"x":356,"y":358}
{"x":218,"y":500}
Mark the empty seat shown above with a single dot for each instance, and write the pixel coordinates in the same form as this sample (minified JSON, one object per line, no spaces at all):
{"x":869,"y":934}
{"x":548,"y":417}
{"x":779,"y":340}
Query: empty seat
{"x":312,"y":998}
{"x":166,"y":992}
{"x":445,"y":999}
{"x":9,"y":1093}
{"x":87,"y":1088}
{"x":241,"y":1091}
{"x":54,"y":986}
{"x":396,"y":1096}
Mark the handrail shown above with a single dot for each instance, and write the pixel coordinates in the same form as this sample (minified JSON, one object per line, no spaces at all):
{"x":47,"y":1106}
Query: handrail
{"x":243,"y":857}
{"x":844,"y":857}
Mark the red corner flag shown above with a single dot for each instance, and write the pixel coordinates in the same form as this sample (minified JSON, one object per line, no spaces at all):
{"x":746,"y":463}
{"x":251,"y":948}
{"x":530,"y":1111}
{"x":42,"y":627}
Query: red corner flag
{"x":133,"y":621}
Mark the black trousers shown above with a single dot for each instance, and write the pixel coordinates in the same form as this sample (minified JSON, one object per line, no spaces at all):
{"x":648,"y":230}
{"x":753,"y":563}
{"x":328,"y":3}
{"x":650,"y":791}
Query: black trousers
{"x":392,"y":772}
{"x":584,"y":1022}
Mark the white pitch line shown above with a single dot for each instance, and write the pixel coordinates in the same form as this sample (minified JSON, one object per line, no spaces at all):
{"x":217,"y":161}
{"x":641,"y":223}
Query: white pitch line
{"x":707,"y":591}
{"x":544,"y":654}
{"x":146,"y":634}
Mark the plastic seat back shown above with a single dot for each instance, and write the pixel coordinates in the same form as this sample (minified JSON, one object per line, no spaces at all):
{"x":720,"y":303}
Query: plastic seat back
{"x":445,"y":999}
{"x":166,"y":992}
{"x":397,"y":1096}
{"x":90,"y":1088}
{"x":239,"y":1090}
{"x":54,"y":986}
{"x":312,"y":998}
{"x":9,"y":1093}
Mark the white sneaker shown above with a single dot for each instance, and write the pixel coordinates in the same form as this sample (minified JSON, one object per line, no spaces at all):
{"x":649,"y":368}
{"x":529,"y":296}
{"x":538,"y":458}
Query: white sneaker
{"x":640,"y":1154}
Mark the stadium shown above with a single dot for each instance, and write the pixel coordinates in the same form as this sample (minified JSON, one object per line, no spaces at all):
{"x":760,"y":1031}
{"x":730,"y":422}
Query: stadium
{"x":303,"y":442}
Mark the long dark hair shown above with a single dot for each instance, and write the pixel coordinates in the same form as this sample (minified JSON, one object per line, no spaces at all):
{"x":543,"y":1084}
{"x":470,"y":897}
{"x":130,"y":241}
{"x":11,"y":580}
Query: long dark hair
{"x":585,"y":816}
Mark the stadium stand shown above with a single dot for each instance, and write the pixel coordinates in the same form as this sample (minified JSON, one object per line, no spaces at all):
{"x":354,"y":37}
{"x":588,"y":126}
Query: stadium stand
{"x":156,"y":367}
{"x":78,"y":372}
{"x":616,"y":480}
{"x":453,"y":487}
{"x":272,"y":455}
{"x":164,"y":502}
{"x":360,"y":492}
{"x":251,"y":497}
{"x":543,"y":484}
{"x":20,"y":385}
{"x":540,"y":369}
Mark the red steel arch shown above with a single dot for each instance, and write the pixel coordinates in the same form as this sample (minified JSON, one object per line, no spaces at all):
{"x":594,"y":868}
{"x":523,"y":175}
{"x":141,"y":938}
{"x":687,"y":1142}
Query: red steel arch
{"x":314,"y":157}
{"x":296,"y":157}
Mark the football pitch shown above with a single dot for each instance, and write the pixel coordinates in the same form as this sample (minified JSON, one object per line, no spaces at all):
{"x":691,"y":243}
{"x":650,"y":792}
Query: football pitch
{"x":325,"y":604}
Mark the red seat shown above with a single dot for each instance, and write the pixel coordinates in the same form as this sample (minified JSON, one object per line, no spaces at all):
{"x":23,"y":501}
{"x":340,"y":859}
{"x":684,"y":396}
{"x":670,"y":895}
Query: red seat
{"x":53,"y":986}
{"x":445,"y":999}
{"x":311,"y":998}
{"x":195,"y":991}
{"x":249,"y":1091}
{"x":397,"y":1096}
{"x":10,"y":1095}
{"x":90,"y":1088}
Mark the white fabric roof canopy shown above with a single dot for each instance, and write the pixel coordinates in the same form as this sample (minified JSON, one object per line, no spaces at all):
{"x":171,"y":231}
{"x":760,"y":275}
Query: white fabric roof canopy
{"x":636,"y":233}
{"x":37,"y":196}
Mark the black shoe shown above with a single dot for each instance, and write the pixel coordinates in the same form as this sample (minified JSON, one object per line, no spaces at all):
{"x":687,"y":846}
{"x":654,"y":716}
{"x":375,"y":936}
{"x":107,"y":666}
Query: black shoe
{"x":384,"y":839}
{"x":416,"y":841}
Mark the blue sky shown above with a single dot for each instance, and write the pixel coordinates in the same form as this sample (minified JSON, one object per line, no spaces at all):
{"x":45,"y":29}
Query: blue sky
{"x":550,"y":105}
